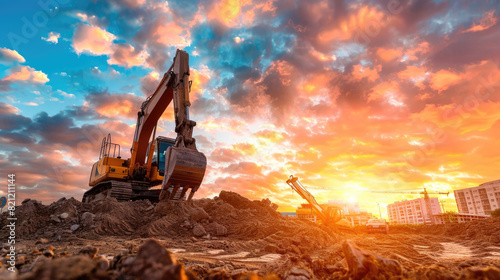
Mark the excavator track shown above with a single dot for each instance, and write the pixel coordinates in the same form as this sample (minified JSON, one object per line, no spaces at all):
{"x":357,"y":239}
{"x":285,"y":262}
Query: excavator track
{"x":122,"y":191}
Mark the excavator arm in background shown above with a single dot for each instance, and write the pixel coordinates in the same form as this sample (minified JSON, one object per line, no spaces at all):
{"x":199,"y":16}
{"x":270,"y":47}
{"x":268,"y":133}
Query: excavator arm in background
{"x":329,"y":215}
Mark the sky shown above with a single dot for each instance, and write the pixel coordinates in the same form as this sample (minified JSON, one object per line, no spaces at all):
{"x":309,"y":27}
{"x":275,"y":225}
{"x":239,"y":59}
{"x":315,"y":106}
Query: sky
{"x":353,"y":97}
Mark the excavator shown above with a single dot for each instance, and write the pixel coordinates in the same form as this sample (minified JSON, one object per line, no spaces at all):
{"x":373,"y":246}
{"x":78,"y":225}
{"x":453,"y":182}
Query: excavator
{"x":328,"y":215}
{"x":175,"y":164}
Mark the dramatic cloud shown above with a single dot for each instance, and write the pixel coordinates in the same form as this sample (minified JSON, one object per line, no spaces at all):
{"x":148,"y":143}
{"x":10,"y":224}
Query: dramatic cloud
{"x":126,"y":55}
{"x":114,"y":105}
{"x":9,"y":56}
{"x":25,"y":74}
{"x":92,"y":40}
{"x":487,"y":21}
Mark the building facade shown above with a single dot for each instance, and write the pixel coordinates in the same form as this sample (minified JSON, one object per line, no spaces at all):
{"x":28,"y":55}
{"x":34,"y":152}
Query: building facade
{"x":480,"y":200}
{"x":448,"y":218}
{"x":413,"y":211}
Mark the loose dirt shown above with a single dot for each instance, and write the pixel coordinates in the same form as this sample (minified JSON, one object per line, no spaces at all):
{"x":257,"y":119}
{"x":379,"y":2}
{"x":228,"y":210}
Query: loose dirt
{"x":231,"y":237}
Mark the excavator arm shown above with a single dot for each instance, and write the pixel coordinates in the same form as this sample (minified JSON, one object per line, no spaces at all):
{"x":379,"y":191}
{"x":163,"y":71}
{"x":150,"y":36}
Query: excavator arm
{"x":329,"y":215}
{"x":184,"y":166}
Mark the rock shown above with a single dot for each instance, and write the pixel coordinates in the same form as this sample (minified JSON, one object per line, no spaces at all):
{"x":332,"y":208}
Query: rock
{"x":87,"y":219}
{"x":7,"y":275}
{"x":42,"y":241}
{"x":198,"y":214}
{"x":122,"y":251}
{"x":216,"y":229}
{"x":89,"y":251}
{"x":489,"y":272}
{"x":186,"y":224}
{"x":298,"y":274}
{"x":364,"y":264}
{"x":102,"y":263}
{"x":75,"y":267}
{"x":64,"y":216}
{"x":154,"y":262}
{"x":295,"y":249}
{"x":74,"y":227}
{"x":271,"y":249}
{"x":38,"y":260}
{"x":199,"y":231}
{"x":48,"y":254}
{"x":20,"y":260}
{"x":54,"y":219}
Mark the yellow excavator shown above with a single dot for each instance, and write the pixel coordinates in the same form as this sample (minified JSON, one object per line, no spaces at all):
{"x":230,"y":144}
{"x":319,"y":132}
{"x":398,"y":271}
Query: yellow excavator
{"x":175,"y":164}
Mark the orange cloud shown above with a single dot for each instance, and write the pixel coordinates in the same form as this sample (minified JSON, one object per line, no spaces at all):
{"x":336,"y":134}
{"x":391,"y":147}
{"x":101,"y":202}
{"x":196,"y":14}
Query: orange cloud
{"x":245,"y":148}
{"x":415,"y":74}
{"x":348,"y":28}
{"x":269,"y":135}
{"x":389,"y":54}
{"x":199,"y":78}
{"x":26,"y":74}
{"x":322,"y":56}
{"x":284,"y":69}
{"x":359,"y":72}
{"x":488,"y":20}
{"x":126,"y":55}
{"x":227,"y":11}
{"x":7,"y":109}
{"x":8,"y":56}
{"x":420,"y":49}
{"x":115,"y":105}
{"x":443,"y":79}
{"x":92,"y":39}
{"x":388,"y":91}
{"x":169,"y":33}
{"x":212,"y":124}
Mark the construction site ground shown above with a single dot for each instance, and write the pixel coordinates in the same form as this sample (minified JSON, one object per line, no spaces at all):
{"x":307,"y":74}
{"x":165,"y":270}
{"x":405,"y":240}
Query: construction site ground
{"x":231,"y":237}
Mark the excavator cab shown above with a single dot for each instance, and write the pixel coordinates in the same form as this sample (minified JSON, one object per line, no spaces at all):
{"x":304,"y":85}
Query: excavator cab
{"x":162,"y":144}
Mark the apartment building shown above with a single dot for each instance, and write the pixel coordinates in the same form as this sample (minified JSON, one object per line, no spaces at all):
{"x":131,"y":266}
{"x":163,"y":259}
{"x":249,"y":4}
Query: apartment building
{"x":413,"y":211}
{"x":480,"y":200}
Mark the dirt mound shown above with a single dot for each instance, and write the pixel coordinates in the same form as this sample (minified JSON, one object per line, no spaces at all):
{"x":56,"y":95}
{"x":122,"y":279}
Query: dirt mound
{"x":483,"y":230}
{"x":229,"y":214}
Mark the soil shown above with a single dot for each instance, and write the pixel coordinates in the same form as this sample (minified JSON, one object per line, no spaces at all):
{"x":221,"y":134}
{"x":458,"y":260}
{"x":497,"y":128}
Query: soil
{"x":231,"y":237}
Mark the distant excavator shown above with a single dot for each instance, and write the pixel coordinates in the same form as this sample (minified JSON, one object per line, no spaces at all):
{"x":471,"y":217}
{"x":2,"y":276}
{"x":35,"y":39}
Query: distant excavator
{"x":328,"y":215}
{"x":175,"y":164}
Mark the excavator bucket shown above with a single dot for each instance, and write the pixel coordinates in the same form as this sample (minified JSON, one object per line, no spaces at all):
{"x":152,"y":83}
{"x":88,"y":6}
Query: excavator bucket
{"x":184,"y":170}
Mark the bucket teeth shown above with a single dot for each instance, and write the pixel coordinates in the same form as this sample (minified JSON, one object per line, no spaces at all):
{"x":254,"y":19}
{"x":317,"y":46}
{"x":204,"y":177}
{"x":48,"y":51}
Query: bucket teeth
{"x":184,"y":170}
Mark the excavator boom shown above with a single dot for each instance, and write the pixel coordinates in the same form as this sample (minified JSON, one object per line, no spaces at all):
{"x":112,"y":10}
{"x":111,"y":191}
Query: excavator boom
{"x":329,"y":215}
